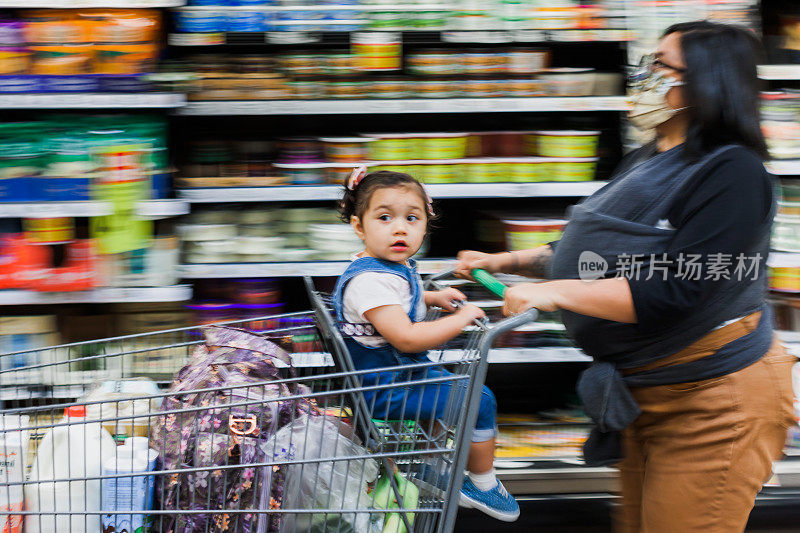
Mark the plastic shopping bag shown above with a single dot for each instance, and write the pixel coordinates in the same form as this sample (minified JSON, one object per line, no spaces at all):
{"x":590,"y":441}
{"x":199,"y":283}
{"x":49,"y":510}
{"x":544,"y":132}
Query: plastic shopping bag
{"x":321,"y":483}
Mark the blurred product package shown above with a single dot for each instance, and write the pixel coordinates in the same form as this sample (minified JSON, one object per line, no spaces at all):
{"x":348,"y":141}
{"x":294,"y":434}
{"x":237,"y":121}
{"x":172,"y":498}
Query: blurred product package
{"x":69,"y":157}
{"x":70,"y":42}
{"x":78,"y":265}
{"x":24,"y":265}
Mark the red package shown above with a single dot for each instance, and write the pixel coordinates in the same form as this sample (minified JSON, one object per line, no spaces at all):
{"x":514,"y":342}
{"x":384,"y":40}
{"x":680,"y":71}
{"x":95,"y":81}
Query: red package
{"x":77,"y":273}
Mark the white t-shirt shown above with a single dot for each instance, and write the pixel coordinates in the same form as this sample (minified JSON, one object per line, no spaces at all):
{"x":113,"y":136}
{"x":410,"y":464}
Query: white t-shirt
{"x":375,"y":289}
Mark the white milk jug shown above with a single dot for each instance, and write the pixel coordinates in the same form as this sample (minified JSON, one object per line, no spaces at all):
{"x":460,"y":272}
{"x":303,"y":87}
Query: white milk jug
{"x":68,"y":452}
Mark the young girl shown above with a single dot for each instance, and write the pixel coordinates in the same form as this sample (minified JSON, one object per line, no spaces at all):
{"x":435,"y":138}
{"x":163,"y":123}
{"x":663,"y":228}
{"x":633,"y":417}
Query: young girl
{"x":380,"y":295}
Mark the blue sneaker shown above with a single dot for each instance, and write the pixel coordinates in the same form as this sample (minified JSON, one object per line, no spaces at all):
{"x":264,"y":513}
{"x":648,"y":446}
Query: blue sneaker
{"x":496,"y":502}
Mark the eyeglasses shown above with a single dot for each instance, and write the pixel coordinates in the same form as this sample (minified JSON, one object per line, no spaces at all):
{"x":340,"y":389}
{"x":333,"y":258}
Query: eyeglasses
{"x":650,"y":72}
{"x":650,"y":63}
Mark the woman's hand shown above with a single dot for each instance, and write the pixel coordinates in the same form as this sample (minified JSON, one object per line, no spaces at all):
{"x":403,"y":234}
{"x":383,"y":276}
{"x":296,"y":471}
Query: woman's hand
{"x":524,"y":296}
{"x":468,"y":260}
{"x":444,"y":298}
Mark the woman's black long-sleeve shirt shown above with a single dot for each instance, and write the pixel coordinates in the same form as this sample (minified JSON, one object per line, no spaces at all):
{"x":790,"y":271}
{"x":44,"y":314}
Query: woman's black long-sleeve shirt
{"x":720,"y":216}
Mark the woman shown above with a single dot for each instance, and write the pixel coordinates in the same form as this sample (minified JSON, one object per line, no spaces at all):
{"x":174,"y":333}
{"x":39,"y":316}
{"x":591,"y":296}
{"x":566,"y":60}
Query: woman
{"x":660,"y":277}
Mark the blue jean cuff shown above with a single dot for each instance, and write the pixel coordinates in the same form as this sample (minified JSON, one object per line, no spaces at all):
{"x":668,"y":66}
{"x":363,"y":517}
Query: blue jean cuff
{"x":482,"y":435}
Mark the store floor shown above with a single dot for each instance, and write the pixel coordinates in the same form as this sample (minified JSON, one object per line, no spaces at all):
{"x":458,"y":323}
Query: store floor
{"x":593,"y":516}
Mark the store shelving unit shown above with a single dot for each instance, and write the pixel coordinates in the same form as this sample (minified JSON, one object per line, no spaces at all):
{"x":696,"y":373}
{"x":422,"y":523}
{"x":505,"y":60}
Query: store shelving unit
{"x":406,"y":106}
{"x":572,"y":477}
{"x":335,"y":268}
{"x":278,"y":270}
{"x":297,"y":193}
{"x":174,"y":293}
{"x":779,"y":72}
{"x":65,"y":4}
{"x":154,"y":100}
{"x":54,"y":209}
{"x":163,"y":208}
{"x":783,"y":259}
{"x":149,"y":208}
{"x":784,"y":167}
{"x":413,"y":37}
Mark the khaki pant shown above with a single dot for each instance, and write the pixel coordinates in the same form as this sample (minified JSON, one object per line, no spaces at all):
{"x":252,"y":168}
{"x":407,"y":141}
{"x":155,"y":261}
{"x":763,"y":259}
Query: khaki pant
{"x":699,"y":453}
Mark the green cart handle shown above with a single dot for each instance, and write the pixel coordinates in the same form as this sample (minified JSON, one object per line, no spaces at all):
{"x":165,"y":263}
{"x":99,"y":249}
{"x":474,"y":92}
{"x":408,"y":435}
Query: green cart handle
{"x":494,"y":285}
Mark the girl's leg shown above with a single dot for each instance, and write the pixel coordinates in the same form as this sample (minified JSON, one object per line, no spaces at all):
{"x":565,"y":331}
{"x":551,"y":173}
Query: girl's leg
{"x":481,"y":457}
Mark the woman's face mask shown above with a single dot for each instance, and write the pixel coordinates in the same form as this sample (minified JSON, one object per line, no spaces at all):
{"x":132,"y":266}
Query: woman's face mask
{"x":647,"y":91}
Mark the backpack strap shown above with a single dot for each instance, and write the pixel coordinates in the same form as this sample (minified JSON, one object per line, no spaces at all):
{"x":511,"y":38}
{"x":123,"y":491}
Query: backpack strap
{"x":372,"y":264}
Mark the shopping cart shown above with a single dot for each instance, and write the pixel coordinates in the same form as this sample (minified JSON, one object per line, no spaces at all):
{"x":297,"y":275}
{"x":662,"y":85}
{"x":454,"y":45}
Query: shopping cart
{"x":284,"y":442}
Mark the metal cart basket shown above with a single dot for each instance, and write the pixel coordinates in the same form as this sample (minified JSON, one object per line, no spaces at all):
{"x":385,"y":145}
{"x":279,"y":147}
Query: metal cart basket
{"x":217,"y":428}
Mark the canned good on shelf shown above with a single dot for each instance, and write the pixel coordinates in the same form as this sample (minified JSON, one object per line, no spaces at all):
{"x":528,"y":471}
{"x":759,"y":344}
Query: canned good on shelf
{"x":527,"y":60}
{"x":436,"y":88}
{"x":568,"y":81}
{"x":524,"y":234}
{"x":345,"y":149}
{"x":439,"y":172}
{"x":442,"y":145}
{"x":392,"y":146}
{"x":303,"y":173}
{"x":376,"y":51}
{"x":578,"y":169}
{"x":566,"y":143}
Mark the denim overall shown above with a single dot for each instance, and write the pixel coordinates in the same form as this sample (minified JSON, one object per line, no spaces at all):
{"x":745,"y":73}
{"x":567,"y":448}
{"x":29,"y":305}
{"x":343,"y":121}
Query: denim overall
{"x":422,"y":402}
{"x":624,"y":217}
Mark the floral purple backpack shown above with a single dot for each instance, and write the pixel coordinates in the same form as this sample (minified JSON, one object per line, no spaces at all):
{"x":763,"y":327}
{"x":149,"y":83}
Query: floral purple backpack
{"x":224,"y":428}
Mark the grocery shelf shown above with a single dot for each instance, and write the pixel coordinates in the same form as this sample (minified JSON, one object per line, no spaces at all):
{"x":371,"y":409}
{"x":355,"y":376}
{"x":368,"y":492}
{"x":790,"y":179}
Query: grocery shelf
{"x":299,"y":360}
{"x":162,"y":208}
{"x":91,"y":100}
{"x":783,"y":259}
{"x":779,"y":72}
{"x":405,"y":106}
{"x":496,"y":356}
{"x":560,"y":478}
{"x":526,"y":355}
{"x":341,"y":38}
{"x":573,"y":477}
{"x":790,"y":337}
{"x":20,"y":392}
{"x":323,"y":7}
{"x":276,"y":270}
{"x":436,"y":190}
{"x":290,"y":193}
{"x":335,"y":268}
{"x":785,"y":167}
{"x":174,"y":293}
{"x":65,"y":4}
{"x":54,"y":209}
{"x":45,"y":209}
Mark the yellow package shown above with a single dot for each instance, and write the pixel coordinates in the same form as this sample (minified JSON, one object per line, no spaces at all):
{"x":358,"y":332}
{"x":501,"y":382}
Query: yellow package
{"x":55,"y":27}
{"x":125,"y":58}
{"x":122,"y":25}
{"x":65,"y":60}
{"x":14,"y":61}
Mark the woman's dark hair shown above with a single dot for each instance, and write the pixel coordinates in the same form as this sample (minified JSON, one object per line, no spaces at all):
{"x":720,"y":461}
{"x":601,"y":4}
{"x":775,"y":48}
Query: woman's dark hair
{"x":356,"y":202}
{"x":721,"y":86}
